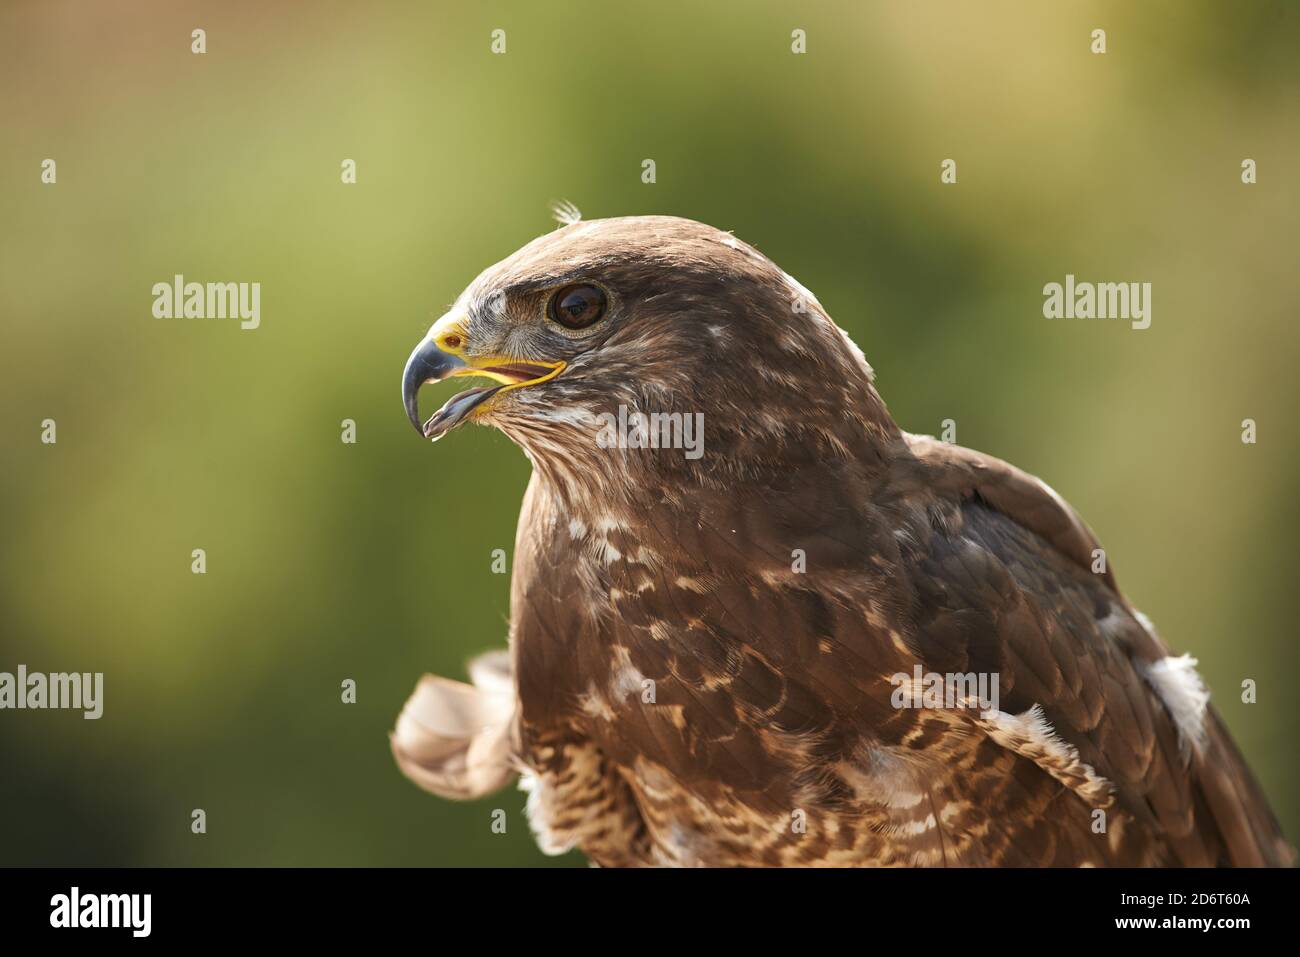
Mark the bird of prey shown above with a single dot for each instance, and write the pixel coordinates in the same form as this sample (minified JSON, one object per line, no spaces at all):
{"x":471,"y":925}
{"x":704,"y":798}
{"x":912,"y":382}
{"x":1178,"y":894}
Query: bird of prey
{"x":727,"y":658}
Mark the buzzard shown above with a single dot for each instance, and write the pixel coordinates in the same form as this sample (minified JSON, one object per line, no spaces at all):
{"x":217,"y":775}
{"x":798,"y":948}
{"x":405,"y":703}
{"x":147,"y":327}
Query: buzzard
{"x":727,"y":658}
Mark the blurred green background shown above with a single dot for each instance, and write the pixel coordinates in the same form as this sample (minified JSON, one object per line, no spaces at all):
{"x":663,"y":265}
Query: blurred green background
{"x":371,"y":561}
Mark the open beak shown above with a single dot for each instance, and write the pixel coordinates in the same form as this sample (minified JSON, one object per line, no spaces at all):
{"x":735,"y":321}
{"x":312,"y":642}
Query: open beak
{"x":428,"y":363}
{"x":442,"y":355}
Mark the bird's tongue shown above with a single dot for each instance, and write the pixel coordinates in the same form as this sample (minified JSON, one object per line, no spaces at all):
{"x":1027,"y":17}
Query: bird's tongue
{"x":457,"y":407}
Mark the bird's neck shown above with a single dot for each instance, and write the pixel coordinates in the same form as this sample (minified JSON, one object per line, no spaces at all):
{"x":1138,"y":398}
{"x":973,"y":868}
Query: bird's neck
{"x":694,"y":460}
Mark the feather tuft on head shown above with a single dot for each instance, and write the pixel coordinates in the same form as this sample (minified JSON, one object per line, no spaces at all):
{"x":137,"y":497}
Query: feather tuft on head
{"x":565,"y":213}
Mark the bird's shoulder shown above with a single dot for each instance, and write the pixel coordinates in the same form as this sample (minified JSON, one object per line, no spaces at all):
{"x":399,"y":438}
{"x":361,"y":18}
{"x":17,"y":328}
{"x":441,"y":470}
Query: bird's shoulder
{"x":1011,"y":582}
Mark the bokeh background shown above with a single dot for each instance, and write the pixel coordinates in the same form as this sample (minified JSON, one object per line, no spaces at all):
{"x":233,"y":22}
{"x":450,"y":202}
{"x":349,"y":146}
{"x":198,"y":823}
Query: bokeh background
{"x":371,"y":561}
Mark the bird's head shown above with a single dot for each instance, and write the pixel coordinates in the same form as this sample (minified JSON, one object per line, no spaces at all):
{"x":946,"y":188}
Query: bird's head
{"x":644,"y":314}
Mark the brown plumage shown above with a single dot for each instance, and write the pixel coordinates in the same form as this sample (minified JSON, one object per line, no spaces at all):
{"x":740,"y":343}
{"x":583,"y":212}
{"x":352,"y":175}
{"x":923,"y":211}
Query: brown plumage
{"x":703,"y":650}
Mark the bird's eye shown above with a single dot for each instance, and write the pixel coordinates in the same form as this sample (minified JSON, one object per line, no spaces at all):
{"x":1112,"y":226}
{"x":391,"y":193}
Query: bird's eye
{"x":577,"y":306}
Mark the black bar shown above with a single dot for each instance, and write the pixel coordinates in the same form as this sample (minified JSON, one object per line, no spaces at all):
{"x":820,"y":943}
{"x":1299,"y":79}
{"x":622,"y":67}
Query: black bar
{"x":563,"y":907}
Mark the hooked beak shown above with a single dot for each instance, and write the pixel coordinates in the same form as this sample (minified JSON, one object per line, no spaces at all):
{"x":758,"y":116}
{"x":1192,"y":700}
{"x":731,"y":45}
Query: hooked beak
{"x":443,"y":355}
{"x":428,"y":363}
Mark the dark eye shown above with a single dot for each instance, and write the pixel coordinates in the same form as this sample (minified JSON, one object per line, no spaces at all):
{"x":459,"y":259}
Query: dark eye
{"x":577,"y":306}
